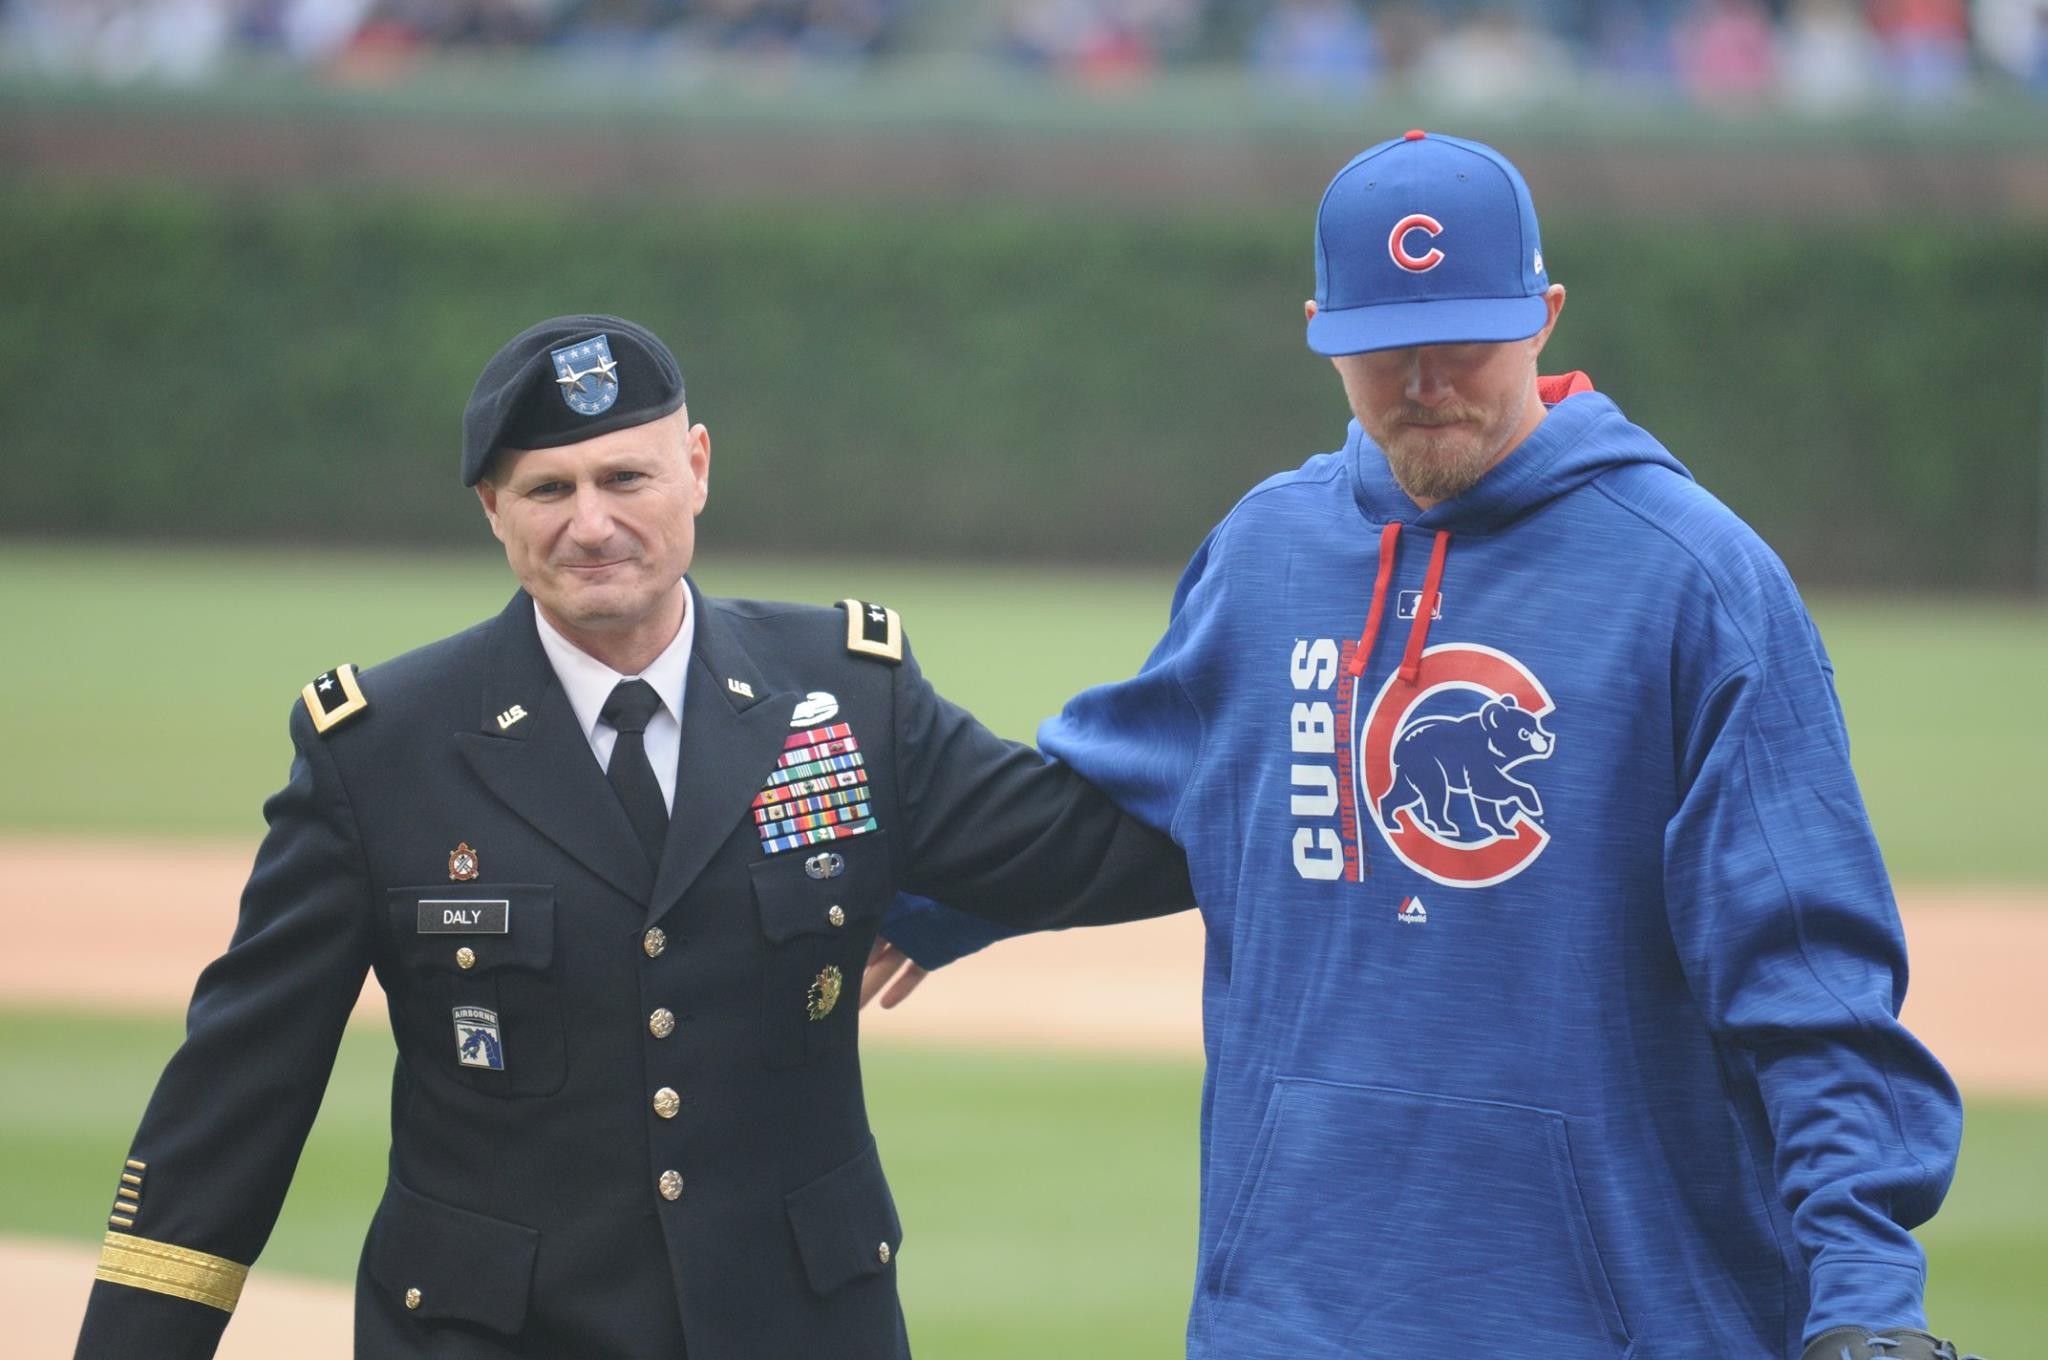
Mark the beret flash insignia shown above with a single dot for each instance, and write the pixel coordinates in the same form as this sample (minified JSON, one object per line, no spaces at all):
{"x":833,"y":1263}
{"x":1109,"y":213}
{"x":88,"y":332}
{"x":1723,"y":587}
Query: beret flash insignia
{"x":872,"y":630}
{"x":333,"y":698}
{"x":586,"y":376}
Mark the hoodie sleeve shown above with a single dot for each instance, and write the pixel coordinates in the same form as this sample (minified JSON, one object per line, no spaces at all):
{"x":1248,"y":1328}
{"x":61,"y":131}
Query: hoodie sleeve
{"x":1792,"y":946}
{"x":934,"y":935}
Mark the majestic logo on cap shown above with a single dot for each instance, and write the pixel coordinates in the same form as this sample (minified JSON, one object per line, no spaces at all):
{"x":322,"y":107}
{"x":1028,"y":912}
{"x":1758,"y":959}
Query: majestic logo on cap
{"x":1397,"y":243}
{"x":587,"y":376}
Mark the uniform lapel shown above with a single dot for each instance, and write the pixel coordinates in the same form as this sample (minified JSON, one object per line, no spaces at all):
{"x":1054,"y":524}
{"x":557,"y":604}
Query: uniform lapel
{"x":730,"y":745}
{"x":539,"y":761}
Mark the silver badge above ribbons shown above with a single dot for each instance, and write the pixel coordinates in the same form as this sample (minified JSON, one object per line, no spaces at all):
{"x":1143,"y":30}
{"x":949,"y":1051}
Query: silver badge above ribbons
{"x":816,"y":707}
{"x":586,"y":375}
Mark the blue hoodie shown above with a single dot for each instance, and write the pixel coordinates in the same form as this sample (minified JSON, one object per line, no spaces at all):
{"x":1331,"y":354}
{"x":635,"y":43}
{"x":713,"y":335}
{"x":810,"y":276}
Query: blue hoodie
{"x":1552,"y":971}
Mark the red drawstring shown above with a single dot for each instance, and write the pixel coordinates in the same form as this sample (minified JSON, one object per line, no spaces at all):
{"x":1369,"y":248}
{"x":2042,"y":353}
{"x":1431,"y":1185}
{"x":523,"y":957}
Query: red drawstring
{"x":1418,"y":632}
{"x":1390,"y":544}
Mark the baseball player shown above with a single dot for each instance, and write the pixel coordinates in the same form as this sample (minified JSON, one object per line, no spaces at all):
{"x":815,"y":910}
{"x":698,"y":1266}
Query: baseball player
{"x":1552,"y":973}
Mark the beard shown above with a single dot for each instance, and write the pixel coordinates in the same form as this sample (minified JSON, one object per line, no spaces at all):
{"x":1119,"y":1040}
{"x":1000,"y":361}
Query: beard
{"x":1438,"y":454}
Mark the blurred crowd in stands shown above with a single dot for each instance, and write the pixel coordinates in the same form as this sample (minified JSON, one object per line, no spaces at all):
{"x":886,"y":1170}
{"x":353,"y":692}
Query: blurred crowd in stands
{"x":1824,"y":56}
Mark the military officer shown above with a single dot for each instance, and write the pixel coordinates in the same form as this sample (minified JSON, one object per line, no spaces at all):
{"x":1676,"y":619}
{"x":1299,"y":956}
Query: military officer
{"x":616,"y":857}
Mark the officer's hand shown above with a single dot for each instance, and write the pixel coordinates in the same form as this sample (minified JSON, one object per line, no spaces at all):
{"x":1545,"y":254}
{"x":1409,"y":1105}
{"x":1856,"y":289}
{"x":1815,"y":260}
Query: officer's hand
{"x":886,"y":961}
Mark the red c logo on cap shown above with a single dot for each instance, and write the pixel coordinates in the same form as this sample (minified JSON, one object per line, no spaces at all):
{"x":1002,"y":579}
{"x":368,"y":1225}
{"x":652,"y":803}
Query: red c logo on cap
{"x":1397,"y":247}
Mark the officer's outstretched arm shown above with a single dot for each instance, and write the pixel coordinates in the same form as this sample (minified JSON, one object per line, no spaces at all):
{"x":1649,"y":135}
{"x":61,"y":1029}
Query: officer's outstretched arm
{"x":208,"y":1169}
{"x":995,"y":829}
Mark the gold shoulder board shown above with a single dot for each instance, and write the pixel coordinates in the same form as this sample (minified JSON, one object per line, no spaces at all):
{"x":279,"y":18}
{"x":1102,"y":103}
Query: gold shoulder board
{"x":872,"y":630}
{"x":334,"y":698}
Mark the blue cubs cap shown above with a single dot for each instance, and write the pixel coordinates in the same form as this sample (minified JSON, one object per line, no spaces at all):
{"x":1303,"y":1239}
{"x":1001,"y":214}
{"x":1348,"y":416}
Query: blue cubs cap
{"x":1426,"y":240}
{"x":568,"y":379}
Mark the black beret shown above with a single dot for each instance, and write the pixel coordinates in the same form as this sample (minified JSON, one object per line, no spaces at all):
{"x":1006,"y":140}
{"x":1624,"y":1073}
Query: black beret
{"x":568,"y":379}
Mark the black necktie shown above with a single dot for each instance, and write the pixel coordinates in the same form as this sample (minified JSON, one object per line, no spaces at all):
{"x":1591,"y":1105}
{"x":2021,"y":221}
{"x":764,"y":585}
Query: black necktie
{"x":631,"y":705}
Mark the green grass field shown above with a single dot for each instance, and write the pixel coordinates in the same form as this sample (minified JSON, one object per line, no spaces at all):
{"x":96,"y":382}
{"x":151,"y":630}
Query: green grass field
{"x":1048,"y":1203}
{"x":153,"y":695}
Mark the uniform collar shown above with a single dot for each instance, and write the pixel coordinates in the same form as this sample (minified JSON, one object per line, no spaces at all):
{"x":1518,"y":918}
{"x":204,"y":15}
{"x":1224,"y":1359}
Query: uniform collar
{"x":587,"y":682}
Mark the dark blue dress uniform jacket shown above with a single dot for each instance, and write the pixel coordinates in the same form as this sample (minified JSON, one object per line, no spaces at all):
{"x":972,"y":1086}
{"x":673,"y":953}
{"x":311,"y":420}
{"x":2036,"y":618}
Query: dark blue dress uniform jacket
{"x":525,"y":1215}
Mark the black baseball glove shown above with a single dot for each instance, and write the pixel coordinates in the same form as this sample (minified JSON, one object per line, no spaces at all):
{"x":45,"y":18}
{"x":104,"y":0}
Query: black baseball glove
{"x":1898,"y":1343}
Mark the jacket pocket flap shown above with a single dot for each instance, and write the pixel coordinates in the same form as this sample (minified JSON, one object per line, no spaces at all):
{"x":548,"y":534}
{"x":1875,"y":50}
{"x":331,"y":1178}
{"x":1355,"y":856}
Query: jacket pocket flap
{"x":464,"y":1265}
{"x":797,"y":891}
{"x":499,"y":925}
{"x":845,"y":1223}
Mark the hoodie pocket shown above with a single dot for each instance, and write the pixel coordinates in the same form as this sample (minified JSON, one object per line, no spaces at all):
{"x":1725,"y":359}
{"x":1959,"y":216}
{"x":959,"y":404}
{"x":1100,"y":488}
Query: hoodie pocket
{"x":1375,"y":1221}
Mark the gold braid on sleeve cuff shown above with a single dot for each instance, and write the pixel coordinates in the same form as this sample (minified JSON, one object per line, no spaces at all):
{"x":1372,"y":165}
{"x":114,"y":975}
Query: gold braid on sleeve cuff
{"x":177,"y":1271}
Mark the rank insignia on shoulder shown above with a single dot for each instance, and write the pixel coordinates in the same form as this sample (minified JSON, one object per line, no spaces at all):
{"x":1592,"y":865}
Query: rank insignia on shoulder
{"x":334,"y":698}
{"x":872,"y":630}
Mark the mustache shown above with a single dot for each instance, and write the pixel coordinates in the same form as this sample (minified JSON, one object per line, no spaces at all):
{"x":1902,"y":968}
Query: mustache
{"x":1432,"y":417}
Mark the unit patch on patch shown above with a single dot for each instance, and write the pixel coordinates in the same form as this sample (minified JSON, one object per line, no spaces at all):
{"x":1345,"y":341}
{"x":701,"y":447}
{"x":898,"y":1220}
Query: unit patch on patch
{"x":333,"y":698}
{"x":872,"y":630}
{"x":477,"y":1042}
{"x":586,"y":376}
{"x":819,"y":791}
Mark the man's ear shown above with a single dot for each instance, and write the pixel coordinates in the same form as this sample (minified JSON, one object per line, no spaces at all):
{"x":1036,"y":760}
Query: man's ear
{"x":487,"y":495}
{"x":1553,"y":298}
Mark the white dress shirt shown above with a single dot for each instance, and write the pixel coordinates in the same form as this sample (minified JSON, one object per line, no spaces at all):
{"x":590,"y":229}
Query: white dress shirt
{"x":589,"y":682}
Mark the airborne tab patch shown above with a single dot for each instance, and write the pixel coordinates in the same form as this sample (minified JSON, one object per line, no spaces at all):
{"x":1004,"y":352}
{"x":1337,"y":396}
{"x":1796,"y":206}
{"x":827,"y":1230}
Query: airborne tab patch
{"x":872,"y":630}
{"x":333,"y":698}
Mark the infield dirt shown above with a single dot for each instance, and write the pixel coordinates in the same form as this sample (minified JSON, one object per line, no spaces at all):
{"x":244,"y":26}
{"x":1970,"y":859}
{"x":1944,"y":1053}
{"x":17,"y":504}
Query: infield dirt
{"x":161,"y":910}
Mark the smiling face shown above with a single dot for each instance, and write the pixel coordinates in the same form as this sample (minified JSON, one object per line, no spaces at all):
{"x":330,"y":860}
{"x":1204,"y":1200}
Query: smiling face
{"x":1444,"y":415}
{"x":600,"y":532}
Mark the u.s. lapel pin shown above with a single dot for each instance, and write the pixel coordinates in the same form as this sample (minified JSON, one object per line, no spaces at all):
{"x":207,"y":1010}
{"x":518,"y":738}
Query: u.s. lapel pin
{"x":462,"y":863}
{"x":739,"y":687}
{"x":510,"y":716}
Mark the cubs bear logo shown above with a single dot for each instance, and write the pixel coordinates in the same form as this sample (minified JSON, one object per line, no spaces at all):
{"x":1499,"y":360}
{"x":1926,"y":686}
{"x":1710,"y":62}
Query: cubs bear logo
{"x":1434,"y":757}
